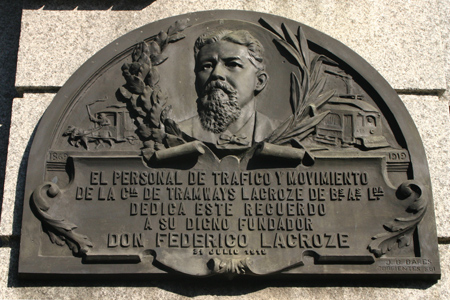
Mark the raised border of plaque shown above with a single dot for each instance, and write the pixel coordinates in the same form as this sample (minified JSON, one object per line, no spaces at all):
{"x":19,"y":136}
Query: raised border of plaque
{"x":227,"y":143}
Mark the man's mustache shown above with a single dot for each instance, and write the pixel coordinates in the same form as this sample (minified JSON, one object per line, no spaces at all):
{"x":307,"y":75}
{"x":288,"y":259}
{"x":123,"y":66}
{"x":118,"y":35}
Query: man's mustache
{"x":219,"y":84}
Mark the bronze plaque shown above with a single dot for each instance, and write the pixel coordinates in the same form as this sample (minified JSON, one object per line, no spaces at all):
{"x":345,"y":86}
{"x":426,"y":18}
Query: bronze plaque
{"x":228,"y":143}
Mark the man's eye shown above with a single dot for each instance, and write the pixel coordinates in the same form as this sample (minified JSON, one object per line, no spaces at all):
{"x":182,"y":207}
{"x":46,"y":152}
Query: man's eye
{"x":234,"y":64}
{"x":206,"y":66}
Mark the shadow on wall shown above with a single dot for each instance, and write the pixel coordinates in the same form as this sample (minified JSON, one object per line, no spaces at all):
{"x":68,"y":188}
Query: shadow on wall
{"x":87,"y":4}
{"x":10,"y":17}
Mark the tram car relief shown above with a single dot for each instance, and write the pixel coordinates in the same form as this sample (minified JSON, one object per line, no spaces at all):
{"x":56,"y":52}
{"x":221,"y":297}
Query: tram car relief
{"x":351,"y":122}
{"x":108,"y":127}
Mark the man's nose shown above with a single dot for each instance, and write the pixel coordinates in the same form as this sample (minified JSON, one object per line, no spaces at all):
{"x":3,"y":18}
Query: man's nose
{"x":218,"y":72}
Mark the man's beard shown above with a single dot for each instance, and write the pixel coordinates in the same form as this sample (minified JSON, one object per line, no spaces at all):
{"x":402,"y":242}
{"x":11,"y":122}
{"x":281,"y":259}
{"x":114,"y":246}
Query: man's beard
{"x":218,"y":107}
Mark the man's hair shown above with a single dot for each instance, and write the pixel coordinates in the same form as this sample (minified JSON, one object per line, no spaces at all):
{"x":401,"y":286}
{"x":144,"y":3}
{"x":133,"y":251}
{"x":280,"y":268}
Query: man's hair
{"x":240,"y":37}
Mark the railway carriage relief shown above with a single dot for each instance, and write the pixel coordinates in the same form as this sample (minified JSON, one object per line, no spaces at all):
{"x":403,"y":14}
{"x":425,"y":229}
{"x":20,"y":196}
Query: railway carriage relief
{"x":228,"y":143}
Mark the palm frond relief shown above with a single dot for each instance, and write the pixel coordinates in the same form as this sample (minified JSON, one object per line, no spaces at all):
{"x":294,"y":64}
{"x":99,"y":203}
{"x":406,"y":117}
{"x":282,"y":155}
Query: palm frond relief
{"x":307,"y":93}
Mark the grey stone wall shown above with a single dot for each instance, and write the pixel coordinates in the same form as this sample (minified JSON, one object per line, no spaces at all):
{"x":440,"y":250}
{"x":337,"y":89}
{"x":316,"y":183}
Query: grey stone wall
{"x":43,"y":42}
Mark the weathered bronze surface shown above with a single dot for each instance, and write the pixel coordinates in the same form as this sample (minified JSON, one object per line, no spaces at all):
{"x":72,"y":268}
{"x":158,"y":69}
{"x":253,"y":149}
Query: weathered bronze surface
{"x":233,"y":143}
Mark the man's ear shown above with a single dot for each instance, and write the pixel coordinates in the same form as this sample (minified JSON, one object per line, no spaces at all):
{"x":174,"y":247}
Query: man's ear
{"x":262,"y":78}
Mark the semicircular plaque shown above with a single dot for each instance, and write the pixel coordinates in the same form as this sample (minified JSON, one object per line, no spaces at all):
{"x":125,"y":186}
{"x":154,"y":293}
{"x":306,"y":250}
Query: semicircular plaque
{"x":228,"y":143}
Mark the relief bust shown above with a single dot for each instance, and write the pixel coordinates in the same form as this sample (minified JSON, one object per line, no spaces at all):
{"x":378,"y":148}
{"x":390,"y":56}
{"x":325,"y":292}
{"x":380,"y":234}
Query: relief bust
{"x":230,"y":73}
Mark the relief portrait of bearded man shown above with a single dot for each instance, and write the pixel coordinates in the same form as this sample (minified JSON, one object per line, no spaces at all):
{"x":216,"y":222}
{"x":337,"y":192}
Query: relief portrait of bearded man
{"x":230,"y":73}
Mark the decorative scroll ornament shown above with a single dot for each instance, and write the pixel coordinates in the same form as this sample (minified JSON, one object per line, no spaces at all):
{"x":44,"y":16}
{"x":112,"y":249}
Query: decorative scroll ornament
{"x":59,"y":230}
{"x":400,"y":230}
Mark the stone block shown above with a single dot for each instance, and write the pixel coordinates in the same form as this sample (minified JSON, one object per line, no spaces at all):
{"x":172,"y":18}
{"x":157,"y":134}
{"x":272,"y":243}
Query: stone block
{"x":432,"y":119}
{"x":12,"y":288}
{"x":26,"y":113}
{"x":399,"y":39}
